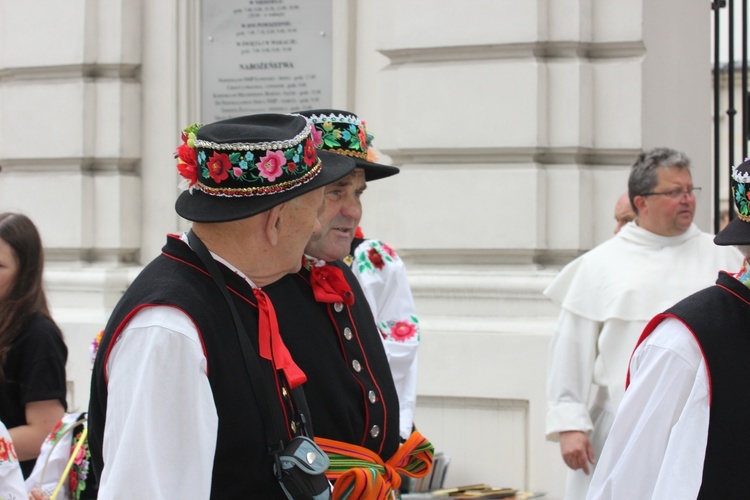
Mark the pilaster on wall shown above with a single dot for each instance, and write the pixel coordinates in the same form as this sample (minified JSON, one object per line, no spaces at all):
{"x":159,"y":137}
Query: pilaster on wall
{"x":70,"y":97}
{"x":70,"y":153}
{"x":677,"y":97}
{"x":535,"y":115}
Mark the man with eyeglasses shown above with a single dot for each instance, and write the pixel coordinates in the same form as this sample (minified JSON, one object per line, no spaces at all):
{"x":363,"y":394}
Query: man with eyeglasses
{"x":608,"y":295}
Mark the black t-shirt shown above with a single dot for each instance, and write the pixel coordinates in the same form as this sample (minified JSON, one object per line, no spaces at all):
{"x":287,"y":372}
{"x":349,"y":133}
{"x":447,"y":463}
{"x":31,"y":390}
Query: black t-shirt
{"x":34,"y":371}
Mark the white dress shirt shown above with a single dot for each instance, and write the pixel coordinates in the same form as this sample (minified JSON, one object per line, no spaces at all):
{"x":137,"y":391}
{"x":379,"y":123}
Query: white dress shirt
{"x":656,"y":447}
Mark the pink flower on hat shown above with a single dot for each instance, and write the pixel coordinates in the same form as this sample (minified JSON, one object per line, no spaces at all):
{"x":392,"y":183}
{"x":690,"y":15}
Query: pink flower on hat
{"x":218,"y":166}
{"x":270,"y":165}
{"x":317,"y":136}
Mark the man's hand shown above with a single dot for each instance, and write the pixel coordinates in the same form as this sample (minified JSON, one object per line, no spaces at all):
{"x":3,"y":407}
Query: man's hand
{"x":576,"y":450}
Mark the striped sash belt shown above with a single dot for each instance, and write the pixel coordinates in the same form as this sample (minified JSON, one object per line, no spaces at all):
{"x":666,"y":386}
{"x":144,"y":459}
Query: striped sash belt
{"x":359,"y":473}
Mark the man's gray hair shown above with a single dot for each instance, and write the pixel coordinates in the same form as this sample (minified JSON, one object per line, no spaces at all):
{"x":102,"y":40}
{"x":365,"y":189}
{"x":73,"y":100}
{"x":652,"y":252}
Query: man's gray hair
{"x":643,"y":177}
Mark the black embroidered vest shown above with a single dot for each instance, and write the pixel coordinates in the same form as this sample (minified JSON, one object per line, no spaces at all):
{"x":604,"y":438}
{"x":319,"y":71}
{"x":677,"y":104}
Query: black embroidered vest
{"x":349,"y":387}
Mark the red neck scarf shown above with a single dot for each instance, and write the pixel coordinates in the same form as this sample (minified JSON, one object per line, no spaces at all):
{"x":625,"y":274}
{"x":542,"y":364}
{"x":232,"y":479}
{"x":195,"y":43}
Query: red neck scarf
{"x":271,"y":346}
{"x":329,"y":284}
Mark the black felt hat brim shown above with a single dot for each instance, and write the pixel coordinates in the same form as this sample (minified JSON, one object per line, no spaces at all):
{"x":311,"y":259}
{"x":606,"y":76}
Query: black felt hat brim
{"x":374,"y":171}
{"x":737,"y":232}
{"x":201,"y":207}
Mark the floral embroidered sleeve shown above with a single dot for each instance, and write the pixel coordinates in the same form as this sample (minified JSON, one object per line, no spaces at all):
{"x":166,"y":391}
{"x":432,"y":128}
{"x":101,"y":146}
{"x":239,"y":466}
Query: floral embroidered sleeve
{"x":11,"y":479}
{"x":382,"y":275}
{"x":54,"y":456}
{"x":383,"y":278}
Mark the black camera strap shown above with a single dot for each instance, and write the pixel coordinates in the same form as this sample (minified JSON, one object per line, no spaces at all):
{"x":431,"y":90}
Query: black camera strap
{"x":252,"y":365}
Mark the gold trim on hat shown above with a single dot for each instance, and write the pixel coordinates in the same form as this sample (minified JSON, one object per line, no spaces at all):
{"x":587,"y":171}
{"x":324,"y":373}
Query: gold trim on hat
{"x":348,"y":152}
{"x":744,"y":218}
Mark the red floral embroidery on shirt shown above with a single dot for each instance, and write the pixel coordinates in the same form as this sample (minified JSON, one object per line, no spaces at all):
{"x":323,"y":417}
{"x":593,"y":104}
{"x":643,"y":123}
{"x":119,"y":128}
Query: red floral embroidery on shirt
{"x":375,"y":258}
{"x":403,"y":330}
{"x":7,"y":451}
{"x":390,"y":251}
{"x":372,"y":256}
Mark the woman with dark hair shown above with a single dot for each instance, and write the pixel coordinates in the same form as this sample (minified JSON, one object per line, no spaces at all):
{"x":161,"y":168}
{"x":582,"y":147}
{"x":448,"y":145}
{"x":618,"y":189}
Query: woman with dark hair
{"x":32,"y":350}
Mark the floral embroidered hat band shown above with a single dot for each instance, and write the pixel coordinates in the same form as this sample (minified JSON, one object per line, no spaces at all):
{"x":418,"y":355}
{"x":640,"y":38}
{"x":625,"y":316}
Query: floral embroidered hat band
{"x":237,"y":168}
{"x":343,"y":133}
{"x":737,"y":232}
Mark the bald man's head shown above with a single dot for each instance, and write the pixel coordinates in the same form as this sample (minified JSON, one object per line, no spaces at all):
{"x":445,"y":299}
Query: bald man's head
{"x":623,"y":211}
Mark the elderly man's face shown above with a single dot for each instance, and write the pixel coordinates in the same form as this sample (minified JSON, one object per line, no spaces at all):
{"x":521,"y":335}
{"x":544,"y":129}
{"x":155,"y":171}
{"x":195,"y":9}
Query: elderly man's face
{"x":302,"y":222}
{"x":663,"y":214}
{"x":339,"y":217}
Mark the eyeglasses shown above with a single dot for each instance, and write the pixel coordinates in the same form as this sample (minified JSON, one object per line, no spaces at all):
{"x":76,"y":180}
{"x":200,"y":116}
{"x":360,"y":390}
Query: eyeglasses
{"x":676,"y":194}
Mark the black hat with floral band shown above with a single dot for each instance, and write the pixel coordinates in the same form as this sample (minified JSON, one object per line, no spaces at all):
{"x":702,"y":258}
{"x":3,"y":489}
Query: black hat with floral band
{"x":237,"y":168}
{"x":344,"y":133}
{"x":737,"y":232}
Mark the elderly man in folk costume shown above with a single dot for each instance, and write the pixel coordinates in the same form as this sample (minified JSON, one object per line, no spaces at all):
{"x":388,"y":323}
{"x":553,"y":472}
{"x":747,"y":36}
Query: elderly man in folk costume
{"x":376,"y":265}
{"x":181,"y":405}
{"x":353,"y":402}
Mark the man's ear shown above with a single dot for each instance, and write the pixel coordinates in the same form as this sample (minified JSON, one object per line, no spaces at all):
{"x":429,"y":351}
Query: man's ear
{"x":640,"y":204}
{"x":273,"y":222}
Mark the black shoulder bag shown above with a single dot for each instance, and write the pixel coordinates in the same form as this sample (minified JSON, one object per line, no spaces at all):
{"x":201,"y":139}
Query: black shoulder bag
{"x":300,"y":465}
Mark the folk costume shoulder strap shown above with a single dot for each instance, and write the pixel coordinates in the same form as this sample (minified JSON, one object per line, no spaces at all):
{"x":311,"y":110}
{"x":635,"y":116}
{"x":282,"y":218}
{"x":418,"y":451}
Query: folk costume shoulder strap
{"x":250,"y":357}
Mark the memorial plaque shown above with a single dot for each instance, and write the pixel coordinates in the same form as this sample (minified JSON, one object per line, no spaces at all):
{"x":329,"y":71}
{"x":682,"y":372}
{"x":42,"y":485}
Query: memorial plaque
{"x":265,"y":56}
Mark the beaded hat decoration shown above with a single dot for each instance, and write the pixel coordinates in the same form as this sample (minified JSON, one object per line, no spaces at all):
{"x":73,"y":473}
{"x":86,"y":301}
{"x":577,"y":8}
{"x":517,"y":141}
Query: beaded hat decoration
{"x":740,"y":181}
{"x":343,"y":133}
{"x":737,"y":232}
{"x":246,"y":168}
{"x":231,"y":165}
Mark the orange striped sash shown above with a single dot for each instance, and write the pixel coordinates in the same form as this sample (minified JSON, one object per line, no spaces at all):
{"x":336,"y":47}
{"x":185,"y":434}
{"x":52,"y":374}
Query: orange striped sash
{"x":359,"y":473}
